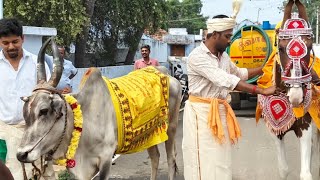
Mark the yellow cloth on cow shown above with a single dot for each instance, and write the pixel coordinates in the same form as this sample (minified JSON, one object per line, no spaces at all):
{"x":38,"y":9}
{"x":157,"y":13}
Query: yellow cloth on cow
{"x":265,"y":81}
{"x":140,"y":100}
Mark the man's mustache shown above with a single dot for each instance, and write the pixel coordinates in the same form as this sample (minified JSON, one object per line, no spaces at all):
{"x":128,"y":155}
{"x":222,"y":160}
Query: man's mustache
{"x":12,"y":50}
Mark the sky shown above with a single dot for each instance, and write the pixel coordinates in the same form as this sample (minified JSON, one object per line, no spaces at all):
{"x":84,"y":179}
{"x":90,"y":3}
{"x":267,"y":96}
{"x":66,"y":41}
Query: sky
{"x":268,"y":9}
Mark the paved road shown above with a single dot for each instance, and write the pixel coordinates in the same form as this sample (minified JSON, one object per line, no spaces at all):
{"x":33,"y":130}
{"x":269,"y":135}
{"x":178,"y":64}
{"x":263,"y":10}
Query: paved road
{"x":254,"y":157}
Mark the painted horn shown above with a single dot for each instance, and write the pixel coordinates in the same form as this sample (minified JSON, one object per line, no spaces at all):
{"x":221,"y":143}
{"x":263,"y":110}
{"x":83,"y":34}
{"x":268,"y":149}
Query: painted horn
{"x":57,"y":65}
{"x":41,"y":70}
{"x":287,"y":12}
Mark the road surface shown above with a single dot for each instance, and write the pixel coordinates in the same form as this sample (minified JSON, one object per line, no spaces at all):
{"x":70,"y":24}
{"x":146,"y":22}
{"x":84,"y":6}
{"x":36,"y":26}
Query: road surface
{"x":254,"y":157}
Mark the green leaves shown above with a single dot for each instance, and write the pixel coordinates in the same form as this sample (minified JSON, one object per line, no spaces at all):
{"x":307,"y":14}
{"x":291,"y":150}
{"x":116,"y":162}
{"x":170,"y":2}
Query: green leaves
{"x":186,"y":14}
{"x":67,"y":16}
{"x":118,"y":23}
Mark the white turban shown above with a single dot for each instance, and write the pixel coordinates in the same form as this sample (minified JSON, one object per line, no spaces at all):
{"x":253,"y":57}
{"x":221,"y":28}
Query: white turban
{"x":222,"y":24}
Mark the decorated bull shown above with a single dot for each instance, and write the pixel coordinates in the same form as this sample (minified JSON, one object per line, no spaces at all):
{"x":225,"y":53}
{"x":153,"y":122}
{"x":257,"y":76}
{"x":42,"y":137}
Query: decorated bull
{"x":82,"y":131}
{"x":297,"y":103}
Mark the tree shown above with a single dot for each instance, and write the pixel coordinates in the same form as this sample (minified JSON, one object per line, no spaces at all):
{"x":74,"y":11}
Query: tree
{"x":186,"y":14}
{"x":82,"y":37}
{"x":66,"y":16}
{"x":151,"y":15}
{"x":123,"y":23}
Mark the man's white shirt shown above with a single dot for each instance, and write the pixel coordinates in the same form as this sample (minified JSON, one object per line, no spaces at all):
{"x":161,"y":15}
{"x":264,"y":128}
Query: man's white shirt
{"x":16,"y":84}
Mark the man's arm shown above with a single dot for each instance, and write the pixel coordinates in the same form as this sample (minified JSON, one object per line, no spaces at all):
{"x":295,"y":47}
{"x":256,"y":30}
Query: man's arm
{"x":74,"y":71}
{"x":252,"y":72}
{"x":245,"y":87}
{"x":211,"y":71}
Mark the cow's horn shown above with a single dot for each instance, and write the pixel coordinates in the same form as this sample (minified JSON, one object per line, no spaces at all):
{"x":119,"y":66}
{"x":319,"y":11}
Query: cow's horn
{"x":57,"y":65}
{"x":41,"y":70}
{"x":287,"y":12}
{"x":302,"y":10}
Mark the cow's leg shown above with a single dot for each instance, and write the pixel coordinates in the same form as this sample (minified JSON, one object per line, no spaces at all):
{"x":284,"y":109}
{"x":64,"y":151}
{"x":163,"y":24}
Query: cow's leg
{"x":87,"y":170}
{"x":282,"y":160}
{"x":170,"y":143}
{"x":171,"y":158}
{"x":106,"y":163}
{"x":154,"y":156}
{"x":305,"y":153}
{"x":81,"y":173}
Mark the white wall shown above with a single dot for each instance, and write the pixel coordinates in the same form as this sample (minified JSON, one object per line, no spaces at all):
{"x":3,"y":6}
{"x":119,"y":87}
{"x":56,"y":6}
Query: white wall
{"x":159,"y":50}
{"x":33,"y":37}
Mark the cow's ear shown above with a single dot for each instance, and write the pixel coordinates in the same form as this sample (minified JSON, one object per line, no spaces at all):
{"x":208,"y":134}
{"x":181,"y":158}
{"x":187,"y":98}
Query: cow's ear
{"x":57,"y":106}
{"x":25,"y":99}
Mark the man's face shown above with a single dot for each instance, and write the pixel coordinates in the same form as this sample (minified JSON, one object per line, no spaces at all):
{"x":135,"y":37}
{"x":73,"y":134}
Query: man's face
{"x":145,"y":52}
{"x":223,"y":40}
{"x":62,"y":52}
{"x":12,"y":45}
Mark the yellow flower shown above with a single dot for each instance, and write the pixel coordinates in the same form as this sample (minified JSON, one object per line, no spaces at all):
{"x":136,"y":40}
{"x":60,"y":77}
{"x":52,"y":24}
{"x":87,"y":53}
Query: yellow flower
{"x":74,"y":142}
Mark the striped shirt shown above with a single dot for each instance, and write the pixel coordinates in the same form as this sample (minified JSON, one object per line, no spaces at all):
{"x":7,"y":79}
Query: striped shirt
{"x":210,"y":77}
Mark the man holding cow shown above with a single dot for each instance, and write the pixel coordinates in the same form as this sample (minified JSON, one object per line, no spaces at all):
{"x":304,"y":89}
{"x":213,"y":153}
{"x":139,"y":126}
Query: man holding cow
{"x":210,"y":125}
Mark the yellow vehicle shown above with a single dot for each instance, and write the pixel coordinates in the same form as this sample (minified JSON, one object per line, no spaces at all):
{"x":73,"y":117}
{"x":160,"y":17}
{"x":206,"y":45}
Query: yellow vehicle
{"x":250,"y":47}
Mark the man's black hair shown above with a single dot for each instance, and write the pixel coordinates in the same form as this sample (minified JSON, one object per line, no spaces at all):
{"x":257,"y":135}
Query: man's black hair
{"x":220,"y":16}
{"x":145,"y":46}
{"x":10,"y":26}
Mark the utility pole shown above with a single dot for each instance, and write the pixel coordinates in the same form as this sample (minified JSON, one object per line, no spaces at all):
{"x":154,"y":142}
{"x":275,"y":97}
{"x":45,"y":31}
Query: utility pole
{"x":317,"y":26}
{"x":1,"y":9}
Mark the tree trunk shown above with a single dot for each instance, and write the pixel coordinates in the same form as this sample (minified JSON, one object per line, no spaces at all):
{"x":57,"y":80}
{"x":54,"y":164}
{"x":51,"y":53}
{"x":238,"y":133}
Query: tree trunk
{"x":133,"y":47}
{"x":82,"y":38}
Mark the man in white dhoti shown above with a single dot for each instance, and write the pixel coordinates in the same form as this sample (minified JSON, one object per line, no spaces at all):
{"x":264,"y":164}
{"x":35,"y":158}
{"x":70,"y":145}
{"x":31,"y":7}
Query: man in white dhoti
{"x":209,"y":123}
{"x":18,"y":69}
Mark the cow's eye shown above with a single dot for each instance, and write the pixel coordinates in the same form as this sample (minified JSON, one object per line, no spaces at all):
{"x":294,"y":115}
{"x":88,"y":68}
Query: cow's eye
{"x":43,"y":112}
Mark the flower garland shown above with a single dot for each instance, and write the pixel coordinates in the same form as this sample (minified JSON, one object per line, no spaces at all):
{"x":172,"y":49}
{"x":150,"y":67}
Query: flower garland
{"x":69,"y":161}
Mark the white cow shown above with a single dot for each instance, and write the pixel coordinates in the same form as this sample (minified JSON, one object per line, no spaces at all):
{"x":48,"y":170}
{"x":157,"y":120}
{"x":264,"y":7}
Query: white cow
{"x":49,"y":130}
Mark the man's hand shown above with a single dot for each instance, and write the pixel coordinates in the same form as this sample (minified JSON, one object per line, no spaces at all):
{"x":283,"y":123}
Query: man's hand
{"x":269,"y":91}
{"x":66,"y":90}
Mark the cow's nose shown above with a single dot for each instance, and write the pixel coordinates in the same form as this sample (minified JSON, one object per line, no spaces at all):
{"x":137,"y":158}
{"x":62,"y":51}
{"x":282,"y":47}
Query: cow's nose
{"x":22,"y":156}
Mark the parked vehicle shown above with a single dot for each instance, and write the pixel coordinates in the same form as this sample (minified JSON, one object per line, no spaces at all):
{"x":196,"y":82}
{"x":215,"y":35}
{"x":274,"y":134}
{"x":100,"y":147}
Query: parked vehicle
{"x":178,"y":70}
{"x":250,"y":47}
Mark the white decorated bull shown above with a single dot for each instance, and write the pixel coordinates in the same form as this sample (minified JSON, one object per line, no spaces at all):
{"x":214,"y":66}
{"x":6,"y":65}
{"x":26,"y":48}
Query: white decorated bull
{"x":82,"y":132}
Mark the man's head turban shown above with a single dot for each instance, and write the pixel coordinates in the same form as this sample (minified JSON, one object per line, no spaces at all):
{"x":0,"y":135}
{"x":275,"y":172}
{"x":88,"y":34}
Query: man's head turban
{"x":222,"y":24}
